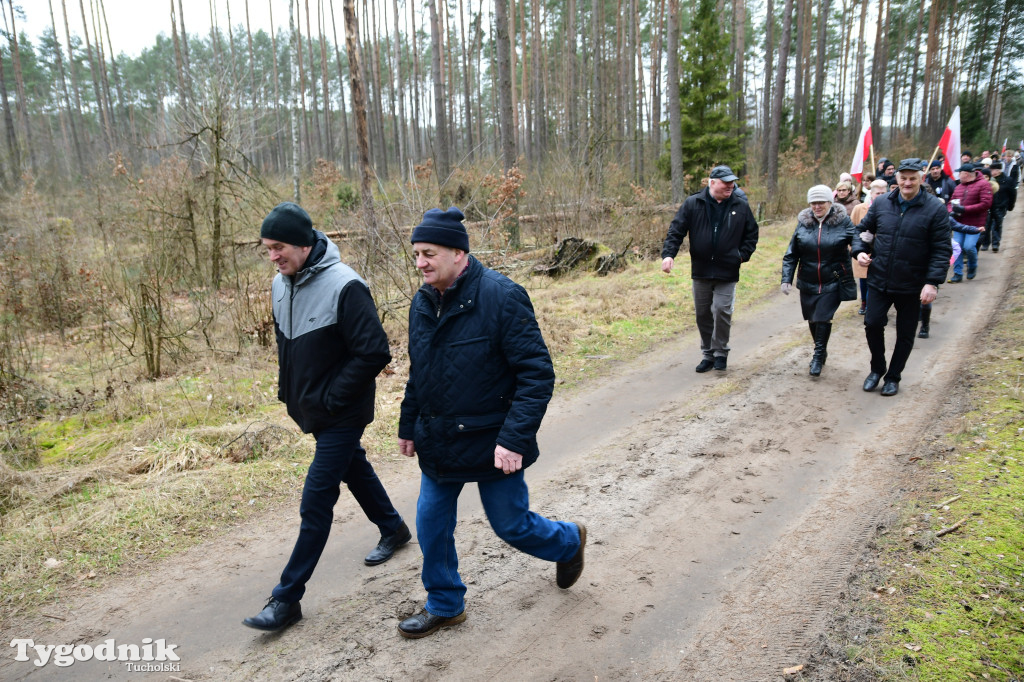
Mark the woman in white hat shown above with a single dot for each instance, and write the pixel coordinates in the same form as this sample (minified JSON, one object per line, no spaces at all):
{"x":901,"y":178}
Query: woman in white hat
{"x":819,"y":257}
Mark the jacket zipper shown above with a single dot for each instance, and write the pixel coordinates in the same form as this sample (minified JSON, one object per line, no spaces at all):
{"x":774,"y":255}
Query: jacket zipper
{"x":819,"y":255}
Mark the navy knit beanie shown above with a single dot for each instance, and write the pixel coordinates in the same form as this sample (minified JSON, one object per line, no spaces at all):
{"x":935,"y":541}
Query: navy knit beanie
{"x":289,"y":223}
{"x":443,"y":228}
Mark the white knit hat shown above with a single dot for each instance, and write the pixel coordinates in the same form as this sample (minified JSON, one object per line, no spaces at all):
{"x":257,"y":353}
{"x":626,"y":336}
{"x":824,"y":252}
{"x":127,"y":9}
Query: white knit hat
{"x":819,"y":193}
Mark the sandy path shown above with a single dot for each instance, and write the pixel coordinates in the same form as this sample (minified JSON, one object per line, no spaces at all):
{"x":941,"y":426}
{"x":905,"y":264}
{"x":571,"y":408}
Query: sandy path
{"x":724,"y":514}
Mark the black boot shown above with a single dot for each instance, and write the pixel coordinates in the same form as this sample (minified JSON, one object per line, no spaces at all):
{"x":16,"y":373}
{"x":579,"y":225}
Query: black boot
{"x":926,"y":316}
{"x":822,"y":332}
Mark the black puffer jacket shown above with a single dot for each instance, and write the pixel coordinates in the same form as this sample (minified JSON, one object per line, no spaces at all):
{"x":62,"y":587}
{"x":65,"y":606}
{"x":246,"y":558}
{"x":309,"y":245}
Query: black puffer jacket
{"x":910,"y":248}
{"x":714,"y":254}
{"x":480,"y":375}
{"x":819,"y":252}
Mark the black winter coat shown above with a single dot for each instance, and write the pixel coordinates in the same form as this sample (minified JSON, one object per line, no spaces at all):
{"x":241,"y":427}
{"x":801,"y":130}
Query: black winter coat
{"x":909,"y":249}
{"x":330,"y":343}
{"x":1001,"y":199}
{"x":819,"y":253}
{"x":714,"y":254}
{"x":480,"y":375}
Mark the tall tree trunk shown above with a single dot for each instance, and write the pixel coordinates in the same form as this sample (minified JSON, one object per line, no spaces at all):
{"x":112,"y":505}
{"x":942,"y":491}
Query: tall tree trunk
{"x":299,"y":84}
{"x":341,"y":99}
{"x":799,"y":102}
{"x":858,"y":92}
{"x":572,"y":94}
{"x":917,"y":59}
{"x":400,"y":128}
{"x":321,"y":30}
{"x":739,"y":78}
{"x":769,"y":78}
{"x":675,"y":124}
{"x":416,"y":136}
{"x":506,"y":122}
{"x":254,"y":100}
{"x":12,"y":135}
{"x":19,"y":85}
{"x":819,"y":79}
{"x":295,"y":50}
{"x":536,"y":75}
{"x":58,"y":54}
{"x":929,"y":88}
{"x":279,"y":153}
{"x":779,"y":92}
{"x":107,"y":135}
{"x":374,"y":98}
{"x":441,"y":162}
{"x":467,"y":93}
{"x":359,"y":111}
{"x":122,"y":103}
{"x":313,"y":88}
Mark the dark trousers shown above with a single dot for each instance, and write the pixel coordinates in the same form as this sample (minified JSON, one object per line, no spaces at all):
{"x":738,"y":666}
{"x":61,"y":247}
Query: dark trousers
{"x":338,"y":459}
{"x":993,"y":233}
{"x":908,"y":309}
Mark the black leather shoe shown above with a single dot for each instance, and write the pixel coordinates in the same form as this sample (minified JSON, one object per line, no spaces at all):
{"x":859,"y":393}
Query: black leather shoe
{"x":424,"y":624}
{"x":568,"y":572}
{"x":890,"y":388}
{"x":275,"y":616}
{"x":720,"y":363}
{"x":705,"y":365}
{"x":871,"y":382}
{"x":385,"y":549}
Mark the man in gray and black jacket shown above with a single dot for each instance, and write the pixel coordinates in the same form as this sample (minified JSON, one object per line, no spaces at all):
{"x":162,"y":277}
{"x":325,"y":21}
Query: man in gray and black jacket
{"x":330,"y":347}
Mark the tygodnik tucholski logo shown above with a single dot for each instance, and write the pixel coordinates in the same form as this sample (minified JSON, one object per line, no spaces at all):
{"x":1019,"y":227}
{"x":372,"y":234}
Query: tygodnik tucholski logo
{"x":150,"y":656}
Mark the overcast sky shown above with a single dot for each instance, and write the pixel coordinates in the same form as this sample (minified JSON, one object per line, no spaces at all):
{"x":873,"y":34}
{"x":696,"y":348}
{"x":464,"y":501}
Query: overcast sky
{"x":134,"y":24}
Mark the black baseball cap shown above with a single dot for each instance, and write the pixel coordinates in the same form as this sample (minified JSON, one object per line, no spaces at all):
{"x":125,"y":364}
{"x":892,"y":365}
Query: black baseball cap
{"x":723,"y":173}
{"x":968,"y":167}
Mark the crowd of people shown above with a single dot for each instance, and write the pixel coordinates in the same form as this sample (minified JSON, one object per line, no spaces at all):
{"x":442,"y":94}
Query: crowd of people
{"x":481,"y":377}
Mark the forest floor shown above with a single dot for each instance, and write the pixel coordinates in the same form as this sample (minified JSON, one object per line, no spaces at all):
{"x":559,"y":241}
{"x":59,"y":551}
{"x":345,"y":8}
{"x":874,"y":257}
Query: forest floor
{"x":727,"y":514}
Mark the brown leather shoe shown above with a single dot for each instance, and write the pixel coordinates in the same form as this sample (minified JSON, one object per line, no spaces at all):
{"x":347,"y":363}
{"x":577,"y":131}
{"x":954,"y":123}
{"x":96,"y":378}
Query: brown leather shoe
{"x":568,"y":572}
{"x":425,"y":623}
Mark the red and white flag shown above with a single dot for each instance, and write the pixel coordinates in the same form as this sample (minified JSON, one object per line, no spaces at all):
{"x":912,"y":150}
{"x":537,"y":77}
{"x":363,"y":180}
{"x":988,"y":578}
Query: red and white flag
{"x":950,"y":144}
{"x":863,"y":151}
{"x":1004,"y":147}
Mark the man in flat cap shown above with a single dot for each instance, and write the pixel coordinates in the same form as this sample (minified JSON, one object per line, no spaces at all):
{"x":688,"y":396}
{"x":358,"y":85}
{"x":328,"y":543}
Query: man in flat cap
{"x":330,"y":348}
{"x":905,"y":244}
{"x":723,"y":234}
{"x":480,"y":378}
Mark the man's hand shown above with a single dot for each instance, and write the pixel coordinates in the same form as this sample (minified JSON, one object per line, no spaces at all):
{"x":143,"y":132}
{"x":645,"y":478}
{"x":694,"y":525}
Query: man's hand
{"x":506,"y":460}
{"x":864,"y":259}
{"x":666,"y":264}
{"x":928,"y":294}
{"x":786,"y":287}
{"x":407,"y":447}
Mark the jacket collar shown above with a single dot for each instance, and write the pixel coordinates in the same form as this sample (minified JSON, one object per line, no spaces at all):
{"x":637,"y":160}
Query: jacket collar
{"x":323,"y":255}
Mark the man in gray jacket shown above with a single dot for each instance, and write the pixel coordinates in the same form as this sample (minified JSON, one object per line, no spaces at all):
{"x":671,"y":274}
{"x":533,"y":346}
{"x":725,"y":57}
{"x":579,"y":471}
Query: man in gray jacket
{"x":330,"y":347}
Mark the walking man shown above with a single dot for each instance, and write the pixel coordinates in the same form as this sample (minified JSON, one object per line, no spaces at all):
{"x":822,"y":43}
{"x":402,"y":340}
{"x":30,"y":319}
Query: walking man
{"x":723,"y":234}
{"x":905,"y":245}
{"x":330,"y":348}
{"x":480,"y":379}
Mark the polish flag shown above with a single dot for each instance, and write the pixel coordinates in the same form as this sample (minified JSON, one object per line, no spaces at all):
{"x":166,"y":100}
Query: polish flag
{"x":863,"y":152}
{"x":950,"y":144}
{"x":1004,"y":146}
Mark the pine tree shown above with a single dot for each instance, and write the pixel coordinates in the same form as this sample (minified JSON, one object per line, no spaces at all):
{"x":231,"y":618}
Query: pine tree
{"x":708,"y":132}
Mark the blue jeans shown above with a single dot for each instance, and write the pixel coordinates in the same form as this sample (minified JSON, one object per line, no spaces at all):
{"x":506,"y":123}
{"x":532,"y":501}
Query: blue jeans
{"x":338,"y":459}
{"x":507,"y":504}
{"x":969,"y":245}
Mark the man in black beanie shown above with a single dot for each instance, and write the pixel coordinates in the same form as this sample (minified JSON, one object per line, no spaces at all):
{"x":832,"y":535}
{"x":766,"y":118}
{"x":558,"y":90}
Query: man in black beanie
{"x":330,"y":348}
{"x":480,"y":378}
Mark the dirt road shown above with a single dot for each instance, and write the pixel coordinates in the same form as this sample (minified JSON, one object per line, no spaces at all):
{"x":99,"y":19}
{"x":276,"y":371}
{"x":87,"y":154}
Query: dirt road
{"x":724,"y":510}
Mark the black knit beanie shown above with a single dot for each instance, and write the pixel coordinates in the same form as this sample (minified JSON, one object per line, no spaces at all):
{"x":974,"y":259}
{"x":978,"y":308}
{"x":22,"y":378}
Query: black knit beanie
{"x":289,"y":223}
{"x":443,"y":228}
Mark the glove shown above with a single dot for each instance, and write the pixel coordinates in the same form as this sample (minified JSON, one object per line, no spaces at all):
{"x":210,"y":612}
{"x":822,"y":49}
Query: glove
{"x":786,"y":288}
{"x":958,"y":210}
{"x":867,"y":237}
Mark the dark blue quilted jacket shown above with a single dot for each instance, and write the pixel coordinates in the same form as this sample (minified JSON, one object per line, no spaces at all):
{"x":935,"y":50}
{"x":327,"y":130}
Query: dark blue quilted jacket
{"x":480,"y":375}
